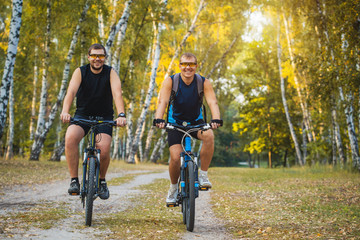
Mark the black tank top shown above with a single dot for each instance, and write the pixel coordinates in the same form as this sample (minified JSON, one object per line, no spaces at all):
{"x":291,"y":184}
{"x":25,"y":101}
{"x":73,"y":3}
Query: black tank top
{"x":94,"y":97}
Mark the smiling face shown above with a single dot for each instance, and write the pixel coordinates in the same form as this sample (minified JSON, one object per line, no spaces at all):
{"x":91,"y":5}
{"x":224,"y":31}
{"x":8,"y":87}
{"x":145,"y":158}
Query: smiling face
{"x":97,"y":58}
{"x":187,"y":67}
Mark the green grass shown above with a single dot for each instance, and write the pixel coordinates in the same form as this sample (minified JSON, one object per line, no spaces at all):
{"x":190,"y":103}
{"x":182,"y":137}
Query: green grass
{"x":43,"y":216}
{"x":149,"y":218}
{"x":291,"y":203}
{"x":295,"y":203}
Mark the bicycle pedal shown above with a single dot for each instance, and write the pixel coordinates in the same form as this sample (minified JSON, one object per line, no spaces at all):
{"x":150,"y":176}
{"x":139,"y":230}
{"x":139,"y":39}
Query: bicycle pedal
{"x":74,"y":194}
{"x":204,"y":188}
{"x":171,"y":205}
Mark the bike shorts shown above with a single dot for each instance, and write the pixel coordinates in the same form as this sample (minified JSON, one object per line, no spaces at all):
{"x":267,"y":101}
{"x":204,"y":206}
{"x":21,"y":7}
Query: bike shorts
{"x":174,"y":137}
{"x":99,"y":129}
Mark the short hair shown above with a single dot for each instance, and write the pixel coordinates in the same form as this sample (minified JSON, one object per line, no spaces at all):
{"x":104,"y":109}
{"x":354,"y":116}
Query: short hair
{"x":188,"y":55}
{"x":96,"y":46}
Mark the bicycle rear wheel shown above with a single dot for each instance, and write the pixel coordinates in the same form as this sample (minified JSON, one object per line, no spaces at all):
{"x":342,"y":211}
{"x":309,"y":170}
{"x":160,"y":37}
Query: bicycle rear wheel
{"x":91,"y":184}
{"x":190,"y":200}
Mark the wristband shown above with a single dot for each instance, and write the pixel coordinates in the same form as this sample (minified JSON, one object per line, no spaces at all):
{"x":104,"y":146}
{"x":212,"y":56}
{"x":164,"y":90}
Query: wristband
{"x":219,"y":121}
{"x":157,"y":120}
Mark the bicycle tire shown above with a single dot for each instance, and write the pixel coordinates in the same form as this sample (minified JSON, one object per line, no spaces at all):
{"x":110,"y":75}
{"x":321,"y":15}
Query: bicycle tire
{"x":190,"y":201}
{"x":91,"y":184}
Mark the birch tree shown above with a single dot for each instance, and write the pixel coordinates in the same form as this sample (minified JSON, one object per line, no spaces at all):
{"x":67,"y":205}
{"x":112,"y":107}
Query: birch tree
{"x":152,"y":83}
{"x":10,"y":138}
{"x":7,"y":78}
{"x":282,"y":85}
{"x":39,"y":142}
{"x":44,"y":84}
{"x":121,"y":25}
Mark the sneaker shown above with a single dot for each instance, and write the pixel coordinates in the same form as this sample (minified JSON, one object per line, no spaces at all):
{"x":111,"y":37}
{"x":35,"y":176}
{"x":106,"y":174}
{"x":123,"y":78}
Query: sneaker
{"x":74,"y":188}
{"x":103,"y":190}
{"x":172,"y":196}
{"x":204,"y":180}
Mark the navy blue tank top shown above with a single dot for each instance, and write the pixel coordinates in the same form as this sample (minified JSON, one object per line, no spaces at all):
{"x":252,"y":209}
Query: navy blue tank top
{"x":94,"y":97}
{"x":186,"y":106}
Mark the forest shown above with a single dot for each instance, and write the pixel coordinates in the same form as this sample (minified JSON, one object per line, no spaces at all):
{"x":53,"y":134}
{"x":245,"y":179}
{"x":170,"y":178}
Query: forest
{"x":286,"y":75}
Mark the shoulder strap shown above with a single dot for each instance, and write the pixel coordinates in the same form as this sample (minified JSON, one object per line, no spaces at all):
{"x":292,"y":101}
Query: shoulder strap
{"x":200,"y":86}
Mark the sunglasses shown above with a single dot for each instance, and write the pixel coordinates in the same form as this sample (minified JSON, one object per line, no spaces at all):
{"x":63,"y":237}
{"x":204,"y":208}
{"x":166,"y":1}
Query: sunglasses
{"x":190,"y":64}
{"x":100,"y":56}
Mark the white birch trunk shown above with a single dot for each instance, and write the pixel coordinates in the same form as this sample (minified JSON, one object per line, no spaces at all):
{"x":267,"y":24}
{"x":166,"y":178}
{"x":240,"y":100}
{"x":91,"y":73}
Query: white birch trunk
{"x":7,"y":78}
{"x":129,"y":128}
{"x":216,"y":66}
{"x":348,"y":102}
{"x":156,"y":151}
{"x":38,"y":144}
{"x":148,"y":143}
{"x":10,"y":138}
{"x":121,"y":25}
{"x":292,"y":132}
{"x":115,"y":153}
{"x":329,"y":47}
{"x":141,"y":120}
{"x":302,"y":101}
{"x":33,"y":101}
{"x":188,"y":33}
{"x":45,"y":63}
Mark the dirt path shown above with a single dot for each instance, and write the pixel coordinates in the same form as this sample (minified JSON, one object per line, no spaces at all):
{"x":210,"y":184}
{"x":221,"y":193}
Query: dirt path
{"x":23,"y":198}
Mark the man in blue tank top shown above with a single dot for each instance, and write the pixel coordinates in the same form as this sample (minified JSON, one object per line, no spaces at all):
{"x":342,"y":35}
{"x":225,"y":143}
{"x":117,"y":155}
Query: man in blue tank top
{"x":95,"y":86}
{"x":187,"y":108}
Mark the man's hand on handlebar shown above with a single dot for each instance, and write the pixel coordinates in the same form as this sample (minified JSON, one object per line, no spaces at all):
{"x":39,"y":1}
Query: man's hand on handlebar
{"x":65,"y":117}
{"x":160,"y":123}
{"x":216,"y":123}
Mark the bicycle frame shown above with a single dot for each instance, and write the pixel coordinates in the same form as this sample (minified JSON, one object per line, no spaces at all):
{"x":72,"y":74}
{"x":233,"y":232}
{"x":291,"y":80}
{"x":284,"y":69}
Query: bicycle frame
{"x":185,"y":157}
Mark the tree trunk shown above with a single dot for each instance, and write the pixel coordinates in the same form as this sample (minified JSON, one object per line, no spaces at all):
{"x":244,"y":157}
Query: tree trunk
{"x":292,"y":132}
{"x":157,"y":148}
{"x":338,"y":140}
{"x":148,"y":143}
{"x":129,"y":128}
{"x":45,"y":63}
{"x":348,"y":102}
{"x":188,"y":33}
{"x":120,"y":26}
{"x":216,"y":66}
{"x":7,"y":78}
{"x":56,"y":156}
{"x":302,"y":101}
{"x":10,"y":138}
{"x":38,"y":143}
{"x":33,"y":102}
{"x":149,"y":95}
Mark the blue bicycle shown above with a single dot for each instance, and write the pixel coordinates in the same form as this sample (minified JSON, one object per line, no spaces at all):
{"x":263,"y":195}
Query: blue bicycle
{"x":188,"y":182}
{"x":91,"y":167}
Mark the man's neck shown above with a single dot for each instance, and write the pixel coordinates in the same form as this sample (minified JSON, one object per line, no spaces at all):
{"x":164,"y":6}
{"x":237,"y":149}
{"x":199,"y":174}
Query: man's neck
{"x":187,"y":80}
{"x":96,"y":71}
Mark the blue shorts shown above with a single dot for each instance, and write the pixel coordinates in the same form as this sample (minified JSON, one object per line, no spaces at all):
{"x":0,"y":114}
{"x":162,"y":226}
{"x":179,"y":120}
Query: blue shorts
{"x":99,"y":129}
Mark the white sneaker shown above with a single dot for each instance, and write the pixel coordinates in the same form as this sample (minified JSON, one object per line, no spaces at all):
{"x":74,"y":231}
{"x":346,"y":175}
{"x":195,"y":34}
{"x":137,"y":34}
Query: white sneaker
{"x":204,"y":180}
{"x":172,"y":195}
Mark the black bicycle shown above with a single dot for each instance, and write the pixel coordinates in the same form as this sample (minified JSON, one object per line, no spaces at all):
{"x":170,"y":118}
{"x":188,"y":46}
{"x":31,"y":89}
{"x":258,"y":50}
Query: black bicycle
{"x":188,"y":182}
{"x":91,"y":166}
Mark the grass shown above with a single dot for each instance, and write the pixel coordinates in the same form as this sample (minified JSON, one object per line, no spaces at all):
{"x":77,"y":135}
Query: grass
{"x":295,"y":203}
{"x":288,"y":203}
{"x":42,"y":215}
{"x":148,"y":218}
{"x":21,"y":171}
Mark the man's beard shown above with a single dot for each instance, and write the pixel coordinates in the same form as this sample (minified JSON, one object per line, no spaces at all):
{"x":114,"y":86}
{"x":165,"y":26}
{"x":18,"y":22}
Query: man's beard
{"x":97,"y":68}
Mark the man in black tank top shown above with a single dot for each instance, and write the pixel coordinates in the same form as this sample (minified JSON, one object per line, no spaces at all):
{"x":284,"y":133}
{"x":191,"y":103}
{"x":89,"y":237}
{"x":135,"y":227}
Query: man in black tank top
{"x":185,"y":102}
{"x":95,"y":86}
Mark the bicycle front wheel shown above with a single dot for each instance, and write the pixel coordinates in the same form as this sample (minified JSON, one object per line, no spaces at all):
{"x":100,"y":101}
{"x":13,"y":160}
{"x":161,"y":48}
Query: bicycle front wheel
{"x":190,"y":200}
{"x":91,"y":184}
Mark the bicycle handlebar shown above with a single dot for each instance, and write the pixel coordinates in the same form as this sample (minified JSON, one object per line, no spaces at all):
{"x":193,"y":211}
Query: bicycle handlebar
{"x":93,"y":122}
{"x":203,"y":127}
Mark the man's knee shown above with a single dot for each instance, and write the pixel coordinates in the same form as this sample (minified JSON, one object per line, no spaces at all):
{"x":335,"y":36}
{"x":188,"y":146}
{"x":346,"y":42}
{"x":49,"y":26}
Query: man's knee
{"x":207,"y":137}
